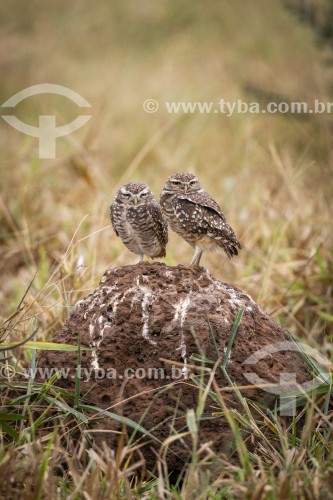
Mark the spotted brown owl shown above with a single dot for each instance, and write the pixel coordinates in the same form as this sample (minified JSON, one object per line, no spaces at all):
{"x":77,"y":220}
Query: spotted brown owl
{"x":138,"y":220}
{"x":196,"y":217}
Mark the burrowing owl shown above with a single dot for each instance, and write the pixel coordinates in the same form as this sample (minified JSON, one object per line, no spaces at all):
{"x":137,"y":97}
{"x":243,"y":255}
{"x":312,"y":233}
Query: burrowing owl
{"x":137,"y":218}
{"x":192,"y":214}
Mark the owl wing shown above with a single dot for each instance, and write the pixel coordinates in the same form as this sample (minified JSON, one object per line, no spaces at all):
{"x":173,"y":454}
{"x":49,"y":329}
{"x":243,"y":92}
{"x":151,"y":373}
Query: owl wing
{"x":113,"y":218}
{"x":158,"y":223}
{"x":202,"y":198}
{"x":199,"y":212}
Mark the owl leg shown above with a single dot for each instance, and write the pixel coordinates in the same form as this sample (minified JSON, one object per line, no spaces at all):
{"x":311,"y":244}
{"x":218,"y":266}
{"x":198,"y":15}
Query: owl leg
{"x":196,"y":257}
{"x":140,"y":258}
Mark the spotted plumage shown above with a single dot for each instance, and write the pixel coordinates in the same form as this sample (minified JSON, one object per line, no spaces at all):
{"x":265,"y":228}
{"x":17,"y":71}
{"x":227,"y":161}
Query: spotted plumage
{"x":137,"y":219}
{"x":196,"y":217}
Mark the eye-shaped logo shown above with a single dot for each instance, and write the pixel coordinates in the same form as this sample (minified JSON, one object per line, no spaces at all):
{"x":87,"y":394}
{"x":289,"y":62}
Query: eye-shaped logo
{"x":47,"y":131}
{"x":288,"y":382}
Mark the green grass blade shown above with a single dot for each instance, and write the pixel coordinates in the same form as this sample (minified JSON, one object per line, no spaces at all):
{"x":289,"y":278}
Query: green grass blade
{"x":44,"y":346}
{"x":10,"y":431}
{"x":233,"y":332}
{"x":119,"y":418}
{"x":78,"y":374}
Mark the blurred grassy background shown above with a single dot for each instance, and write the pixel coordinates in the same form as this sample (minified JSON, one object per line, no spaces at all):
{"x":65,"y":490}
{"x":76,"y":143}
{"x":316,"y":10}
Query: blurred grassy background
{"x":272,"y":174}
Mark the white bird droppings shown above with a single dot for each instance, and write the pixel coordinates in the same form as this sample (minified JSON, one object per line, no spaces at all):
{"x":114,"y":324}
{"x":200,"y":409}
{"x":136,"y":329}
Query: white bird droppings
{"x":180,"y":315}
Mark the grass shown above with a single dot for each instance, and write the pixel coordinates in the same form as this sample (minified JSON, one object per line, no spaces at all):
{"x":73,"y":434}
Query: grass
{"x":272,"y":174}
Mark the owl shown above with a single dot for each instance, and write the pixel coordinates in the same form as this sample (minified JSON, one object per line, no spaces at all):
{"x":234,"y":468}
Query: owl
{"x":137,"y":218}
{"x":196,"y":217}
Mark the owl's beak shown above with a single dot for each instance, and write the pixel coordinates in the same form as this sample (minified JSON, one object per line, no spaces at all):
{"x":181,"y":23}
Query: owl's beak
{"x":185,"y":188}
{"x":136,"y":200}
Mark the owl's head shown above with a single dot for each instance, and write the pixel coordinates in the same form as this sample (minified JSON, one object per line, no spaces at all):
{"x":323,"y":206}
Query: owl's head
{"x":134,"y":194}
{"x":182,"y":183}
